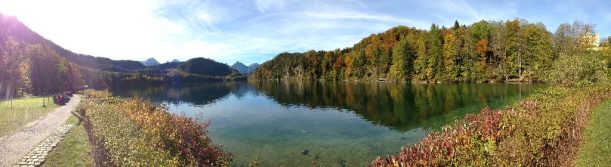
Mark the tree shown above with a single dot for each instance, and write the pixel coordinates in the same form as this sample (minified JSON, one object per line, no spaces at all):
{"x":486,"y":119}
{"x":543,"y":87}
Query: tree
{"x":514,"y":46}
{"x":499,"y":51}
{"x":421,"y":62}
{"x":11,"y":59}
{"x":538,"y":53}
{"x":49,"y":71}
{"x":572,"y":39}
{"x":384,"y":62}
{"x":402,"y":58}
{"x":456,"y":25}
{"x":480,"y":32}
{"x":359,"y":62}
{"x":466,"y":58}
{"x":450,"y":53}
{"x":435,"y":41}
{"x":606,"y":42}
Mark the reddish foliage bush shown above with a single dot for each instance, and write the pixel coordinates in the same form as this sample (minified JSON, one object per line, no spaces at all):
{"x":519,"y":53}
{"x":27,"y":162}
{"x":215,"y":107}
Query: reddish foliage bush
{"x":134,"y":132}
{"x":543,"y":130}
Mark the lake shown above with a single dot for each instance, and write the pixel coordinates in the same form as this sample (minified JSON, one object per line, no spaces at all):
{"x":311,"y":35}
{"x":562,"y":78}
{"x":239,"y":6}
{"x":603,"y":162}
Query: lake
{"x":277,"y":123}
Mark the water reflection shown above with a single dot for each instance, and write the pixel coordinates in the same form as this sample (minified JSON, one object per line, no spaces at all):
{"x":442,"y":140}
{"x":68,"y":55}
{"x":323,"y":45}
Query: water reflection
{"x":398,"y":106}
{"x":193,"y":94}
{"x":322,"y":123}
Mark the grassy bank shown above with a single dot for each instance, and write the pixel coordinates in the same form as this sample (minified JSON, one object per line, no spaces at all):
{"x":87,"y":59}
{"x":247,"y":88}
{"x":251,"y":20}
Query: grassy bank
{"x":543,"y":130}
{"x":596,"y":148}
{"x":22,"y":111}
{"x":73,"y":149}
{"x":134,"y":132}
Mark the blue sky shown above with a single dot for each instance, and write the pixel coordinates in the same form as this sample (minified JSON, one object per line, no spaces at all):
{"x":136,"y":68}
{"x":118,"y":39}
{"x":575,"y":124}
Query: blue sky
{"x":256,"y":30}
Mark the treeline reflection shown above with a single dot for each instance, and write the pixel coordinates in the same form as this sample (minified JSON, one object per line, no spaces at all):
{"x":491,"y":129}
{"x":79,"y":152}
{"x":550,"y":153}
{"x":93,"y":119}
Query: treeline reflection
{"x":397,"y":106}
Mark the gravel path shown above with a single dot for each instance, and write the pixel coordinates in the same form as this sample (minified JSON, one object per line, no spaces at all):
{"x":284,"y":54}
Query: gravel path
{"x":13,"y":147}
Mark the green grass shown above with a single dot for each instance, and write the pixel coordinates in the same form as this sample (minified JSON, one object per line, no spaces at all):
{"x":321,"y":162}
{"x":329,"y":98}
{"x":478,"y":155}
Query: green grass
{"x":23,"y":111}
{"x":73,"y":150}
{"x":596,"y":149}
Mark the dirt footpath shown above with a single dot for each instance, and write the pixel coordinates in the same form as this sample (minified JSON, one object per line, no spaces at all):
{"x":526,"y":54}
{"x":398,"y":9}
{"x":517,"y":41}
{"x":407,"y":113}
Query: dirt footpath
{"x":14,"y":146}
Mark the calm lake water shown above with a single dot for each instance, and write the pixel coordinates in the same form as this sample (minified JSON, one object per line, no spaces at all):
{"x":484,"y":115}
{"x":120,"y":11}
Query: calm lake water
{"x":323,"y":123}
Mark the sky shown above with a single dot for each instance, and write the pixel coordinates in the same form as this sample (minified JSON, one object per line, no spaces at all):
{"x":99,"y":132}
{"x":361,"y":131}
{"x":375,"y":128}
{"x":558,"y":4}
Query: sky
{"x":254,"y":31}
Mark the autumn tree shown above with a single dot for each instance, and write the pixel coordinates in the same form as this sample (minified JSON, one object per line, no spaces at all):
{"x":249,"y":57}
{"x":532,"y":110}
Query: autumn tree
{"x":451,"y":46}
{"x":538,"y":53}
{"x":422,"y":58}
{"x":571,"y":39}
{"x":514,"y":46}
{"x":499,"y":52}
{"x":480,"y":32}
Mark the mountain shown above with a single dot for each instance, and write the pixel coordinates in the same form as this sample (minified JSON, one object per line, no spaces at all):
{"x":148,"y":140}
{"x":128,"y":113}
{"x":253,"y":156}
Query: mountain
{"x":204,"y":66}
{"x":254,"y":66}
{"x":33,"y":65}
{"x":238,"y":66}
{"x":150,"y":62}
{"x":243,"y":69}
{"x":175,"y":61}
{"x":161,"y":69}
{"x":11,"y":27}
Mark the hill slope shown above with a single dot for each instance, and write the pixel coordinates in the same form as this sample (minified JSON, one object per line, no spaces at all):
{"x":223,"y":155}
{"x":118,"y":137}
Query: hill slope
{"x":204,"y":66}
{"x":13,"y":28}
{"x":513,"y":50}
{"x":31,"y":64}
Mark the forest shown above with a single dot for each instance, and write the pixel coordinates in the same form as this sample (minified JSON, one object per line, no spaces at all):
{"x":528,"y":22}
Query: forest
{"x":485,"y":51}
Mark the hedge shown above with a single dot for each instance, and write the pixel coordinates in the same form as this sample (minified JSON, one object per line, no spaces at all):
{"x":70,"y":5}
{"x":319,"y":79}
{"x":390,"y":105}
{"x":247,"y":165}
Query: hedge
{"x":545,"y":129}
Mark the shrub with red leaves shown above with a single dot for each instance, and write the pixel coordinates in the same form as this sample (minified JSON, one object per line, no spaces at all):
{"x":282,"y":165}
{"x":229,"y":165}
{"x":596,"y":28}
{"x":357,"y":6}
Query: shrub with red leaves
{"x":543,"y":130}
{"x":134,"y":132}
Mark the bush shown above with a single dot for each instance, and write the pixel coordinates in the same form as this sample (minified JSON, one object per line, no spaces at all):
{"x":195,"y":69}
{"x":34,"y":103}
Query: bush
{"x":134,"y":132}
{"x":543,"y":130}
{"x":579,"y":70}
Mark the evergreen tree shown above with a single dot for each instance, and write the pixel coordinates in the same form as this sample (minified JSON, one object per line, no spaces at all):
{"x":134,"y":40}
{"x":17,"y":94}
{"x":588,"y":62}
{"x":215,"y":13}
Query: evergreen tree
{"x":421,"y":62}
{"x":433,"y":71}
{"x":456,"y":25}
{"x":402,"y":57}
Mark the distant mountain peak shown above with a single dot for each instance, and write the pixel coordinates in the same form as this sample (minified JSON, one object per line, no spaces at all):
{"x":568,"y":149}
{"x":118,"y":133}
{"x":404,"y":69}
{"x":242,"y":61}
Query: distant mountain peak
{"x":254,"y":65}
{"x":150,"y":62}
{"x":242,"y":68}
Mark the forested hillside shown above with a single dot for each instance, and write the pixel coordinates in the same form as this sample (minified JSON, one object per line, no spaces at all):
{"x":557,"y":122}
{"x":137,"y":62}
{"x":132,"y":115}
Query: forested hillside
{"x":513,"y":50}
{"x":33,"y":65}
{"x":204,"y":66}
{"x":27,"y":66}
